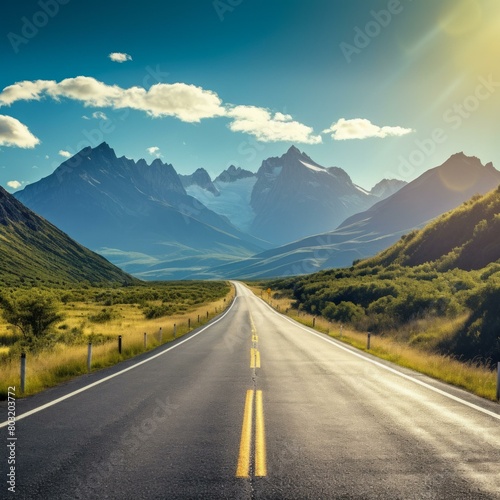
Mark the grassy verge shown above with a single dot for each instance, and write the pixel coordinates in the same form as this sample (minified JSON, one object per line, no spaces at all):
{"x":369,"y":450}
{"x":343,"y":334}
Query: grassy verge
{"x":478,"y":380}
{"x":91,"y":321}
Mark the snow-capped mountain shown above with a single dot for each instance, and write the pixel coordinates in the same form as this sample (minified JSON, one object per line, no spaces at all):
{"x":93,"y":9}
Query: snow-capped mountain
{"x":229,"y":196}
{"x":294,"y":187}
{"x":364,"y":234}
{"x":295,"y":197}
{"x":200,"y":178}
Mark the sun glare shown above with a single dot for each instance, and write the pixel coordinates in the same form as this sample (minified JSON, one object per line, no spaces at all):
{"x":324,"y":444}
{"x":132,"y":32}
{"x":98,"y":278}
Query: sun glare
{"x":473,"y":29}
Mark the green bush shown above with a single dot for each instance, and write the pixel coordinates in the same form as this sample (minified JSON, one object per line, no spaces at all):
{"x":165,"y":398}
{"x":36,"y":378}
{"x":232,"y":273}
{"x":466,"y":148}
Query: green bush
{"x":34,"y":314}
{"x":345,"y":312}
{"x":104,"y":316}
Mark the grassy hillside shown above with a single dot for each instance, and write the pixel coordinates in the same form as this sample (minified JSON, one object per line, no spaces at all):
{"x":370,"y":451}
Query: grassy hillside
{"x":438,"y":288}
{"x":467,"y":238}
{"x":34,"y":252}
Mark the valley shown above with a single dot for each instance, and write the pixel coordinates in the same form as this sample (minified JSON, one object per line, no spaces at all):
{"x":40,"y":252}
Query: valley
{"x":250,"y":250}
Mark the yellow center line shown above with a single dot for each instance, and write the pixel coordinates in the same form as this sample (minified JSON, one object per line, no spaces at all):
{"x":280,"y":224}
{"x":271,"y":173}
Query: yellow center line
{"x":243,"y":469}
{"x":254,"y":358}
{"x":260,"y":437}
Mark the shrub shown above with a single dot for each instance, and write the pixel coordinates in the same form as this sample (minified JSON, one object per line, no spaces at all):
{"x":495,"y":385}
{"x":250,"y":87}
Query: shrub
{"x":104,"y":316}
{"x":345,"y":312}
{"x":33,"y":314}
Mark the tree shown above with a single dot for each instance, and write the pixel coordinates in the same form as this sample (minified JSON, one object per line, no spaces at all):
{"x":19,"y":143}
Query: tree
{"x":32,"y":313}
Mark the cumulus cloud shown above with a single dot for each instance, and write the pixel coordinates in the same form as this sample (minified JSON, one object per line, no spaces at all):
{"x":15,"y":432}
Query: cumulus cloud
{"x":119,"y":57}
{"x":64,"y":154}
{"x":15,"y":133}
{"x":14,"y":184}
{"x":361,"y":128}
{"x":268,"y":127}
{"x":154,"y":151}
{"x":188,"y":103}
{"x":25,"y":91}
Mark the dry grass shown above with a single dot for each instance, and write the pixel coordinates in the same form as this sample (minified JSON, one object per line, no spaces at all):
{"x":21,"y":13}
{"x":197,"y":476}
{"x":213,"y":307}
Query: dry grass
{"x":478,"y":380}
{"x":63,"y":362}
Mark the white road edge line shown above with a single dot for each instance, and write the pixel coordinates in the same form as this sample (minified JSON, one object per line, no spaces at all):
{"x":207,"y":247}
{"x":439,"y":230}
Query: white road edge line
{"x":385,"y":367}
{"x":109,"y":377}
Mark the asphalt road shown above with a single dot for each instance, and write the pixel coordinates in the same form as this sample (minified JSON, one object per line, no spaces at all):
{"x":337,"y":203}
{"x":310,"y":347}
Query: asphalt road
{"x":254,"y":406}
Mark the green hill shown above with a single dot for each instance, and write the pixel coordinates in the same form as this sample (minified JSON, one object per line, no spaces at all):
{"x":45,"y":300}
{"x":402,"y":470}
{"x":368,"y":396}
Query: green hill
{"x":437,"y":288}
{"x":33,"y":251}
{"x":467,"y":237}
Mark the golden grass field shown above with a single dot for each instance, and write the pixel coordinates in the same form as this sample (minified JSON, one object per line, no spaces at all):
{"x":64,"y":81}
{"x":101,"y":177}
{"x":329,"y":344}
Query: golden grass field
{"x":63,"y":362}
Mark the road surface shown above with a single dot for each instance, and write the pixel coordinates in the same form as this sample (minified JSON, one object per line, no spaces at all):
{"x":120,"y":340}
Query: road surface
{"x":254,"y":406}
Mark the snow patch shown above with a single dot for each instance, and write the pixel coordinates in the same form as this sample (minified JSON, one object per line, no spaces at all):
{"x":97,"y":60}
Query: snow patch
{"x":312,"y":167}
{"x":89,"y":179}
{"x":359,"y":188}
{"x":233,"y":202}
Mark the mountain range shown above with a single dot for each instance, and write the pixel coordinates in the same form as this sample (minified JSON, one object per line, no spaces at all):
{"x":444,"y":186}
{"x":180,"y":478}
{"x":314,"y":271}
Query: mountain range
{"x":137,"y":215}
{"x":157,"y":224}
{"x":33,"y":251}
{"x":367,"y":233}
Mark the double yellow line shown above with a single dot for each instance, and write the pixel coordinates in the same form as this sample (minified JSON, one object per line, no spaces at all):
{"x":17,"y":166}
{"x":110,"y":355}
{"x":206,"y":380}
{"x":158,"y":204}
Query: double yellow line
{"x":243,"y":469}
{"x":254,"y":358}
{"x":250,"y":413}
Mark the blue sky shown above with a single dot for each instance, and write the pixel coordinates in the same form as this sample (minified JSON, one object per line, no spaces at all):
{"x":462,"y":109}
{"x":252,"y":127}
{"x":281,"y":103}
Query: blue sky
{"x":384,"y":88}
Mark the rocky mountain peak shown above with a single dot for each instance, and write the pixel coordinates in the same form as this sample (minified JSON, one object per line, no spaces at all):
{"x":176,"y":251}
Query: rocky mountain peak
{"x":293,"y":150}
{"x":103,"y":151}
{"x":387,"y":187}
{"x":199,"y":178}
{"x":232,"y":174}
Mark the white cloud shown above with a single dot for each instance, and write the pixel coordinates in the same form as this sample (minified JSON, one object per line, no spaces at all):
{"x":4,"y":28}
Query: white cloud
{"x":361,"y":128}
{"x":25,"y":91}
{"x":99,"y":115}
{"x":188,"y":103}
{"x":14,"y":184}
{"x":65,"y":154}
{"x":154,"y":151}
{"x":119,"y":57}
{"x":47,"y":157}
{"x":266,"y":127}
{"x":15,"y":133}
